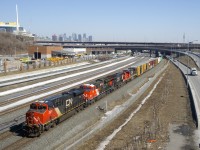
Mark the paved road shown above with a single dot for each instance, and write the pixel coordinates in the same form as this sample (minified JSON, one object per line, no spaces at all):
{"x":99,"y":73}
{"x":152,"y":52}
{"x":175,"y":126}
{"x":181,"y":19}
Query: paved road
{"x":196,"y":58}
{"x":194,"y":82}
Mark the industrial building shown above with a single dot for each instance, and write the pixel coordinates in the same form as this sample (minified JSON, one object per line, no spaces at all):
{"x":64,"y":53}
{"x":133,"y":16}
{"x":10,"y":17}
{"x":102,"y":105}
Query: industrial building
{"x":42,"y":52}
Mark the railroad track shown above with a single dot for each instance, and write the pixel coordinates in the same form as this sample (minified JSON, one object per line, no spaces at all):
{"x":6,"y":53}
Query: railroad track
{"x":15,"y":122}
{"x":36,"y":93}
{"x":11,"y":100}
{"x":4,"y":89}
{"x":50,"y":77}
{"x":20,"y":142}
{"x":43,"y":91}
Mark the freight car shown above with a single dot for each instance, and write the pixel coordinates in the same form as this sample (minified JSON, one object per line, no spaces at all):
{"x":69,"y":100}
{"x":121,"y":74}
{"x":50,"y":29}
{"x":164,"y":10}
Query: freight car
{"x":50,"y":111}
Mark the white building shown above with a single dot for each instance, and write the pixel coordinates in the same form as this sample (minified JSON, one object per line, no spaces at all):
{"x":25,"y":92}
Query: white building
{"x":14,"y":27}
{"x":75,"y":50}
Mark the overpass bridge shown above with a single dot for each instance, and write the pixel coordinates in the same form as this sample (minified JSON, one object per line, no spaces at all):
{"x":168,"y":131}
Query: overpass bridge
{"x":133,"y":46}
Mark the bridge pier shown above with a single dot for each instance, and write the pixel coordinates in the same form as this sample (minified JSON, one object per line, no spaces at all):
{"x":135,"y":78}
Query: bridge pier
{"x":150,"y":51}
{"x":156,"y":53}
{"x":132,"y":52}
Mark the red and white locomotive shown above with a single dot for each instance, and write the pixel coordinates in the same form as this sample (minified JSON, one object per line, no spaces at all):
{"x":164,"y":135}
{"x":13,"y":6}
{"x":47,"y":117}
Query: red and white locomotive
{"x":50,"y":111}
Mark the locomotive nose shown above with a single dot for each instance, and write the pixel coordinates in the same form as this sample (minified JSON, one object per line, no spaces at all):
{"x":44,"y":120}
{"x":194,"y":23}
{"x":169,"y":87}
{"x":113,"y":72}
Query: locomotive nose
{"x":29,"y":117}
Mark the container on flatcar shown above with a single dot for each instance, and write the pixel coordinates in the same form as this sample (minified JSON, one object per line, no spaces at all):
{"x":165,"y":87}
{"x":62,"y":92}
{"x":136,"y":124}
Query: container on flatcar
{"x":156,"y":61}
{"x":136,"y":70}
{"x":147,"y":66}
{"x":144,"y":67}
{"x":141,"y":69}
{"x":151,"y":64}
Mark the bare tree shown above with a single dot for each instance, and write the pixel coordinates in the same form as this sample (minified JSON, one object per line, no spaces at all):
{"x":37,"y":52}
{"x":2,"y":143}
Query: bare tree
{"x":11,"y":44}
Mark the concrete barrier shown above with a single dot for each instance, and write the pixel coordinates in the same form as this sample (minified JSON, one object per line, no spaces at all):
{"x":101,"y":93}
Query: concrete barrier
{"x":193,"y":95}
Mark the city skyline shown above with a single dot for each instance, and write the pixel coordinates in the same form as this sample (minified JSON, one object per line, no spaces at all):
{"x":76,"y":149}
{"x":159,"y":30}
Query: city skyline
{"x":73,"y":37}
{"x":157,"y":21}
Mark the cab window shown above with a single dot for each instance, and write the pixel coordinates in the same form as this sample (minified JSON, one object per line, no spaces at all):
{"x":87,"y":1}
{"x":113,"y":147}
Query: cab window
{"x":33,"y":106}
{"x":41,"y":107}
{"x":87,"y":89}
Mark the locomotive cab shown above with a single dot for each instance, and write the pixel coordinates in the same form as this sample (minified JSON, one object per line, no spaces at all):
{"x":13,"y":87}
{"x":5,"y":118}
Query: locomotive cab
{"x":90,"y":91}
{"x":38,"y":117}
{"x":34,"y":115}
{"x":34,"y":118}
{"x":126,"y":75}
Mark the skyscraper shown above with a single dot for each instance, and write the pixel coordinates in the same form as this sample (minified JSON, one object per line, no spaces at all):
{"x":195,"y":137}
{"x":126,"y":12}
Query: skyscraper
{"x":64,"y":37}
{"x":90,"y":38}
{"x":54,"y":37}
{"x":70,"y":38}
{"x":80,"y":38}
{"x":74,"y":37}
{"x":61,"y":38}
{"x":84,"y":37}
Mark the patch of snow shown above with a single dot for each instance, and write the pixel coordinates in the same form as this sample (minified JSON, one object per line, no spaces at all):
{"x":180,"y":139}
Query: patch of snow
{"x":36,"y":97}
{"x":110,"y":137}
{"x":55,"y":80}
{"x":33,"y":73}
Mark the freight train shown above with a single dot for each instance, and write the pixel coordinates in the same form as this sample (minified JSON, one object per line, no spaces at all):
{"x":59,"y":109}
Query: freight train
{"x":49,"y":112}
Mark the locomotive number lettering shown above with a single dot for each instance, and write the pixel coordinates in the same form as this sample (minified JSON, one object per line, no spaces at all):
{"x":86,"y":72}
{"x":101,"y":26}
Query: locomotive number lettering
{"x":69,"y":102}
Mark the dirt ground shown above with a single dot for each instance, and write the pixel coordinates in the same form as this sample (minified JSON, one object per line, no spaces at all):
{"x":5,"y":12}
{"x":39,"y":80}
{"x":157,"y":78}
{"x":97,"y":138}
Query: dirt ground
{"x":188,"y":60}
{"x":149,"y":128}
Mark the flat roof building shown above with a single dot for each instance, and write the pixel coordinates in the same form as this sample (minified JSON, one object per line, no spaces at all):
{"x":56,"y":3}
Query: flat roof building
{"x":11,"y":27}
{"x":40,"y":52}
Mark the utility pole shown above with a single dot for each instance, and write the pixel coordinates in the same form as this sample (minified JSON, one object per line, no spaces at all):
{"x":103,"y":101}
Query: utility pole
{"x":106,"y":106}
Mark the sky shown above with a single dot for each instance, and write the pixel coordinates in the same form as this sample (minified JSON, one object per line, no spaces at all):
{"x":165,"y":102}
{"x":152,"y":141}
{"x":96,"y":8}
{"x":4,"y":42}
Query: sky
{"x":109,"y":20}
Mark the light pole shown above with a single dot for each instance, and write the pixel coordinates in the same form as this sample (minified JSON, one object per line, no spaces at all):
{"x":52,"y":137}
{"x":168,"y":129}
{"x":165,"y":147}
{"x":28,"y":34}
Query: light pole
{"x":188,"y":58}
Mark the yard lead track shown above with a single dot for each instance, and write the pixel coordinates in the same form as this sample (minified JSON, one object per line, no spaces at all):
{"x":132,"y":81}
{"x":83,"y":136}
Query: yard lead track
{"x":23,"y":141}
{"x":55,"y":73}
{"x":39,"y":92}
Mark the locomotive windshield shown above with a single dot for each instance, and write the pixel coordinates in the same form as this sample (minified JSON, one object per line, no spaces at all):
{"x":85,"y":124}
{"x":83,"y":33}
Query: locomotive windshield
{"x":38,"y":107}
{"x":85,"y":88}
{"x":33,"y":106}
{"x":41,"y":107}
